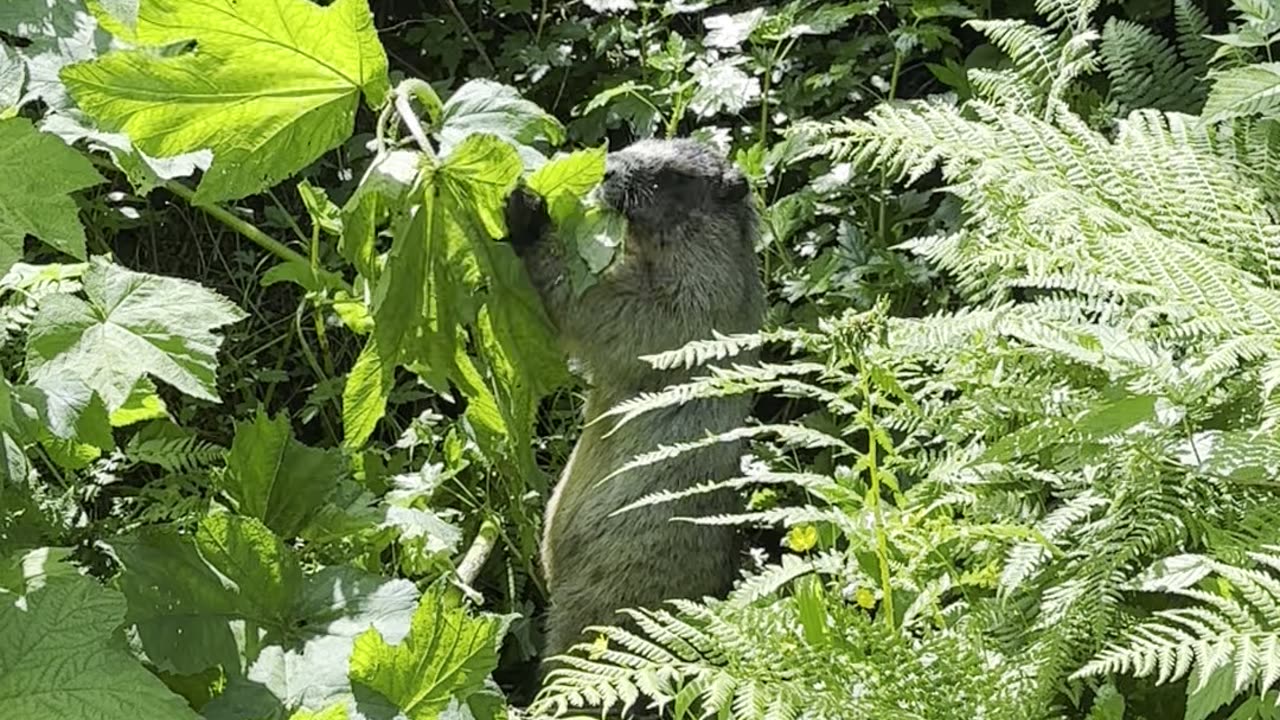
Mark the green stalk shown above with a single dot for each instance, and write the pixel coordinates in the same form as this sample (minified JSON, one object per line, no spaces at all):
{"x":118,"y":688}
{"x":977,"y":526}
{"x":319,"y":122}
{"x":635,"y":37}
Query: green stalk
{"x":877,"y":508}
{"x":251,"y":232}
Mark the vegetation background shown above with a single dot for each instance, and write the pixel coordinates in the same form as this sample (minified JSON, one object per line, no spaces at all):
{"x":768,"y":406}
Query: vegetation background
{"x":279,"y":414}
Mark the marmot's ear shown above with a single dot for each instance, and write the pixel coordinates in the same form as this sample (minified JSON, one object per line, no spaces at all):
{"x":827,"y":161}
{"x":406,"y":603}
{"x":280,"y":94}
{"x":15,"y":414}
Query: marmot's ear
{"x":733,"y":184}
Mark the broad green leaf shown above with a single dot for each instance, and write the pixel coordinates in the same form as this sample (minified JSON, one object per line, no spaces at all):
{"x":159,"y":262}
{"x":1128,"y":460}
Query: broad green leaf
{"x":1206,"y":694}
{"x":123,"y":13}
{"x":276,"y":479}
{"x":364,"y":397}
{"x":1243,"y":92}
{"x":271,"y":86}
{"x":144,"y":172}
{"x":131,"y":325}
{"x":587,"y":229}
{"x":39,"y":174}
{"x":484,"y":106}
{"x":448,"y":654}
{"x":192,"y":598}
{"x":596,"y":233}
{"x":58,"y":659}
{"x":189,"y":597}
{"x":14,"y":468}
{"x":69,"y":454}
{"x":476,"y":179}
{"x":576,"y":173}
{"x":310,"y":670}
{"x":423,"y":300}
{"x":32,"y":569}
{"x":66,"y":409}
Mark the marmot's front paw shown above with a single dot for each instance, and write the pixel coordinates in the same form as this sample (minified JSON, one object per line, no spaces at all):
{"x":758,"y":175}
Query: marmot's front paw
{"x":526,"y":216}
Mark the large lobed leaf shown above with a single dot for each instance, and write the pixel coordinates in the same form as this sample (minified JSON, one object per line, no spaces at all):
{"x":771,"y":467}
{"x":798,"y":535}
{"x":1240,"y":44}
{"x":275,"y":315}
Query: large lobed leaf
{"x":128,"y":326}
{"x":446,"y":657}
{"x":271,"y":86}
{"x":39,"y":172}
{"x":58,"y":658}
{"x":275,"y":478}
{"x":191,"y":599}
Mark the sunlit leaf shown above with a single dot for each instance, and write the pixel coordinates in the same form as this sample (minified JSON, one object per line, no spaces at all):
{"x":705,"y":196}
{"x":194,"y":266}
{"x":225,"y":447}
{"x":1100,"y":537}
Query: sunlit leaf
{"x":270,"y":87}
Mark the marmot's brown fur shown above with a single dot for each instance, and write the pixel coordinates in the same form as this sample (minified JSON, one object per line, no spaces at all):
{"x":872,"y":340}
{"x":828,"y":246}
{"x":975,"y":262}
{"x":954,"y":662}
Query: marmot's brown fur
{"x":688,"y":267}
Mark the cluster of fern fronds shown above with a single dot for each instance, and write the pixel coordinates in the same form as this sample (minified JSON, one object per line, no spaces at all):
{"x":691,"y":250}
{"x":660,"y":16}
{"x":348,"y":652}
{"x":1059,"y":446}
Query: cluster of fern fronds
{"x":997,"y":496}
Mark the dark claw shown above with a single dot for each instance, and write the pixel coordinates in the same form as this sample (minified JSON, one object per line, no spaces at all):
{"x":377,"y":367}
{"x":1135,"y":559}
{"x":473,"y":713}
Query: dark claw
{"x":526,"y":216}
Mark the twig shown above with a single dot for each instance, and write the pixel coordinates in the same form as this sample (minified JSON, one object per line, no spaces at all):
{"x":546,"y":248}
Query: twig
{"x":472,"y":37}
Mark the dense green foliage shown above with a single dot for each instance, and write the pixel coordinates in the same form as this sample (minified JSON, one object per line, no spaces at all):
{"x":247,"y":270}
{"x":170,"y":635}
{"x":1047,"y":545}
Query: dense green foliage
{"x":279,"y":411}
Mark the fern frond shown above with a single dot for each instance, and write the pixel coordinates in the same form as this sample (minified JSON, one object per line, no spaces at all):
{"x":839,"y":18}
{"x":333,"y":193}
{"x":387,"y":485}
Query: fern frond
{"x":1146,"y":71}
{"x":1241,"y":632}
{"x":701,"y":352}
{"x":789,"y":435}
{"x":806,"y":481}
{"x":722,"y":382}
{"x":1075,"y":14}
{"x":185,"y":454}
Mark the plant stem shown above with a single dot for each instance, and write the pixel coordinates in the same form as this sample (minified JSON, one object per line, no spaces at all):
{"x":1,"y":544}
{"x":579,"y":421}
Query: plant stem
{"x":883,"y":214}
{"x":877,"y":506}
{"x":453,"y":7}
{"x":250,"y":231}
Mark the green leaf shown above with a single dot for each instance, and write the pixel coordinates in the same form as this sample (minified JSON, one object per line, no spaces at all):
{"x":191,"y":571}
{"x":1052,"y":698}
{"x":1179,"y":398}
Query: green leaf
{"x":271,"y":86}
{"x":310,"y":672}
{"x":336,"y":712}
{"x":364,"y":397}
{"x":58,"y":659}
{"x":1206,"y":694}
{"x":188,"y":597}
{"x":596,"y":233}
{"x":39,"y":174}
{"x":484,"y":106}
{"x":191,"y":599}
{"x":1242,"y":92}
{"x":67,"y":409}
{"x":121,"y":14}
{"x":142,"y":404}
{"x":33,"y":569}
{"x":447,"y":654}
{"x":132,"y":325}
{"x":576,"y":173}
{"x":477,"y":177}
{"x":380,"y":194}
{"x":276,"y":479}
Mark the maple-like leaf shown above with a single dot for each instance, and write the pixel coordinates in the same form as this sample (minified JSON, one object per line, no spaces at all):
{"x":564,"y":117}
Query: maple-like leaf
{"x":129,"y":325}
{"x":270,"y":86}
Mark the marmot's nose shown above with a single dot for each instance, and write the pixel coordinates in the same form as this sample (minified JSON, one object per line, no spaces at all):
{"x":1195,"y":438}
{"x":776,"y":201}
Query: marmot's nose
{"x":610,"y":172}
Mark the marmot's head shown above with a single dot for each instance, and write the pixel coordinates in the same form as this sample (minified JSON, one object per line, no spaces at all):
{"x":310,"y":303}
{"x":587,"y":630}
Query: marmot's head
{"x":674,"y":188}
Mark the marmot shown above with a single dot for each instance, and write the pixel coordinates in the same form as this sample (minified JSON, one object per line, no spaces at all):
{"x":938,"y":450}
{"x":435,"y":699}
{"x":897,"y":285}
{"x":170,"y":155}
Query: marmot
{"x":688,"y":267}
